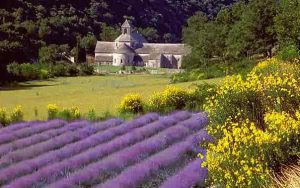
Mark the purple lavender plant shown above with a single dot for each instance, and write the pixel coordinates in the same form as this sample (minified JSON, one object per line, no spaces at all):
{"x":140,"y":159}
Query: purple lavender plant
{"x":128,"y":156}
{"x":28,"y":131}
{"x":135,"y":175}
{"x":192,"y":174}
{"x":94,"y":153}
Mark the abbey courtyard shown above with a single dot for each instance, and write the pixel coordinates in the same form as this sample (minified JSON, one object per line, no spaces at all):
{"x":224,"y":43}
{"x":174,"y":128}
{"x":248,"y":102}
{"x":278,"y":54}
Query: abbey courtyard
{"x":132,"y":49}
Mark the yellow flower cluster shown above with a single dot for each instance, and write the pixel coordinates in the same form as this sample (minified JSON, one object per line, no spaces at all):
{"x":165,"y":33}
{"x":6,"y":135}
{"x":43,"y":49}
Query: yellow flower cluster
{"x":255,"y":96}
{"x":238,"y":158}
{"x":66,"y":113}
{"x":171,"y":98}
{"x":255,"y":123}
{"x":16,"y":115}
{"x":131,"y":103}
{"x":52,"y":111}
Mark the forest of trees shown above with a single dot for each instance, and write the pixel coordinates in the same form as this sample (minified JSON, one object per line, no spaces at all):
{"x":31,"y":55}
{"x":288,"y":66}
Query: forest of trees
{"x":28,"y":25}
{"x":44,"y":30}
{"x":246,"y":29}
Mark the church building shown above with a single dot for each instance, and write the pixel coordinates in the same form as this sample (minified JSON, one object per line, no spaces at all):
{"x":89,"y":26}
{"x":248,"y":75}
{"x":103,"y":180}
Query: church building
{"x":132,"y":49}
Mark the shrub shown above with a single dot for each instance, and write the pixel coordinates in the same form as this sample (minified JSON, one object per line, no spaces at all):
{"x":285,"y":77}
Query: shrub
{"x":65,"y":114}
{"x":199,"y":96}
{"x":4,"y":119}
{"x":255,"y":96}
{"x":91,"y":115}
{"x":69,"y":114}
{"x":274,"y":66}
{"x":289,"y":53}
{"x":132,"y":103}
{"x":72,"y":69}
{"x":172,"y":98}
{"x":16,"y":115}
{"x":59,"y":69}
{"x":86,"y":69}
{"x":255,"y":123}
{"x":52,"y":111}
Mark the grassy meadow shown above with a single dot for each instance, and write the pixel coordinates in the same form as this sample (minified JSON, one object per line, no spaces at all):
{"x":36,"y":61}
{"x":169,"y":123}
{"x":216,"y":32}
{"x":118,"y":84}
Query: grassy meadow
{"x":103,"y":93}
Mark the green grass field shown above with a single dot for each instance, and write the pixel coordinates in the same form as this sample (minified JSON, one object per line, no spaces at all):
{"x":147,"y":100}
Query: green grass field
{"x":100,"y":92}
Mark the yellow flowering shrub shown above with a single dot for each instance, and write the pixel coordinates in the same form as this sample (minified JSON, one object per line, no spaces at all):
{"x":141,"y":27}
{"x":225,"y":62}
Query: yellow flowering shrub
{"x":17,"y":114}
{"x":52,"y":111}
{"x":238,"y":158}
{"x":255,"y":123}
{"x":131,"y":103}
{"x":68,"y":114}
{"x":274,"y":66}
{"x":14,"y":116}
{"x":3,"y":117}
{"x":172,"y":98}
{"x":253,"y":97}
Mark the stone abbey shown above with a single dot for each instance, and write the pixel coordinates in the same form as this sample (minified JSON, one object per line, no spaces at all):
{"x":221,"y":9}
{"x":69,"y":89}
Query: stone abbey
{"x":132,"y":49}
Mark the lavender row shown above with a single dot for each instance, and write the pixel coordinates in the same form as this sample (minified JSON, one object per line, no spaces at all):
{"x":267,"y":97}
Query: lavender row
{"x":58,"y":142}
{"x":131,"y":155}
{"x":14,"y":127}
{"x":28,"y":131}
{"x":95,"y":153}
{"x":135,"y":175}
{"x":37,"y":138}
{"x":192,"y":174}
{"x":29,"y":166}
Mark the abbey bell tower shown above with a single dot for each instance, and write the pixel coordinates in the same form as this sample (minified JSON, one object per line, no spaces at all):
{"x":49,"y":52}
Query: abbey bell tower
{"x":126,"y":27}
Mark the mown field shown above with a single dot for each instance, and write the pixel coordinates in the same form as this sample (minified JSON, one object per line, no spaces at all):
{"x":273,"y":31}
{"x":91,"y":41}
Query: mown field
{"x":100,"y":92}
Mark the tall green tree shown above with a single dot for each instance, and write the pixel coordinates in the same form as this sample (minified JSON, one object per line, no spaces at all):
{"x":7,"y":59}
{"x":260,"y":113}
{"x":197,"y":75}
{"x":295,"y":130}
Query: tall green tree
{"x":255,"y":32}
{"x":287,"y":23}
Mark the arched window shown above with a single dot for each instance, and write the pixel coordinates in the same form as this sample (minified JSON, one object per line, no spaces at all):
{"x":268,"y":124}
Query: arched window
{"x":125,"y":30}
{"x":121,"y":61}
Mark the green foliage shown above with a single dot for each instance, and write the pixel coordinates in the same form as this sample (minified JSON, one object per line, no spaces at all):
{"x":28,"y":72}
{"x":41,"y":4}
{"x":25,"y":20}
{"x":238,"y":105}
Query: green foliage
{"x":200,"y":95}
{"x":287,"y":22}
{"x":68,"y":114}
{"x":27,"y":71}
{"x":86,"y":69}
{"x":238,"y":31}
{"x":109,"y":33}
{"x":215,"y":70}
{"x":88,"y":43}
{"x":289,"y":53}
{"x":91,"y":115}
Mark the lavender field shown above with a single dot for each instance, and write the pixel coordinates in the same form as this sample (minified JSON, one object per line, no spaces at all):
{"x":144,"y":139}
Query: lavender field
{"x":150,"y":151}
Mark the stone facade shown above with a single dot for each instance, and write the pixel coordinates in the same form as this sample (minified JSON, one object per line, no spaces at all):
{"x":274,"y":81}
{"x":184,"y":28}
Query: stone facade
{"x":132,"y":49}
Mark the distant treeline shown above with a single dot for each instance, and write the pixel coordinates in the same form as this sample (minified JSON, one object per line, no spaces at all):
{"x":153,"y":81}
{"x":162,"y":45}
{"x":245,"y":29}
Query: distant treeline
{"x":246,"y":29}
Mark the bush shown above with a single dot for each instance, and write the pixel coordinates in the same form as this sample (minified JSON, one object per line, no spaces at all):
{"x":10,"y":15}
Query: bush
{"x":200,"y":95}
{"x":72,"y":69}
{"x":59,"y":69}
{"x":65,"y":114}
{"x":289,"y":53}
{"x":91,"y":115}
{"x":86,"y":69}
{"x":256,"y":125}
{"x":132,"y":103}
{"x":52,"y":111}
{"x":15,"y":116}
{"x":215,"y":70}
{"x":69,"y":114}
{"x":172,"y":98}
{"x":4,"y":120}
